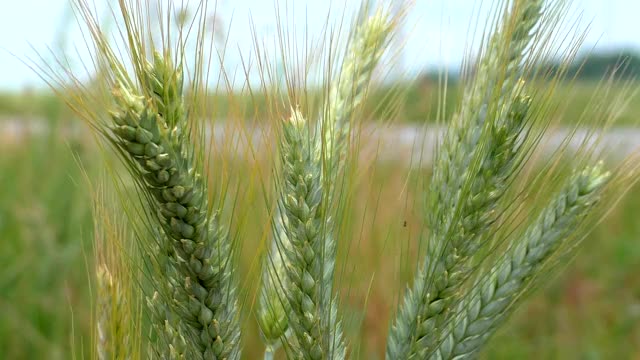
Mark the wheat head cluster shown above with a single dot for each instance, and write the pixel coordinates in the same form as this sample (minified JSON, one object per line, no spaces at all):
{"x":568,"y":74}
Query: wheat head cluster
{"x":494,"y":229}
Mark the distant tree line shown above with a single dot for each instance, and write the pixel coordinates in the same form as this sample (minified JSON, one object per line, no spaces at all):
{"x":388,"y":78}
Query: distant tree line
{"x":595,"y":65}
{"x":591,"y":66}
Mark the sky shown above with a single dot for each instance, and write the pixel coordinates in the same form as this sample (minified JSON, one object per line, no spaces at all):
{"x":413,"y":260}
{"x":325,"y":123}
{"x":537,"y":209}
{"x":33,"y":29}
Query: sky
{"x":435,"y":33}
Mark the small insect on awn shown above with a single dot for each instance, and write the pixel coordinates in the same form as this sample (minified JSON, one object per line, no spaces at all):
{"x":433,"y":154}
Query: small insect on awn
{"x":404,"y":224}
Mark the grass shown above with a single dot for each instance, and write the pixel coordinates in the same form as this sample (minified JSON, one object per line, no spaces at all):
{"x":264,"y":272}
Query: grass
{"x":422,"y":96}
{"x":30,"y":104}
{"x":46,"y":227}
{"x":419,"y":106}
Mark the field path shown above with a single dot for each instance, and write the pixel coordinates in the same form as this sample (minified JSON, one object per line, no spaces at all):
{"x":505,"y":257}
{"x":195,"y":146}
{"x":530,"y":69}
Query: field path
{"x":410,"y":144}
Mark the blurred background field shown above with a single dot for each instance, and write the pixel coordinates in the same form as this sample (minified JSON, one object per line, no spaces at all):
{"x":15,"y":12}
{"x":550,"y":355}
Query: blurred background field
{"x":590,"y":311}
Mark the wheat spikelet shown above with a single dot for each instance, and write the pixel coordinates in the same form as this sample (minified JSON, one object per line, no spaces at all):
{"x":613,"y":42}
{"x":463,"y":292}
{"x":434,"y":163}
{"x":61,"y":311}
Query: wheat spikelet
{"x":272,"y":306}
{"x":165,"y":82}
{"x":171,"y":343}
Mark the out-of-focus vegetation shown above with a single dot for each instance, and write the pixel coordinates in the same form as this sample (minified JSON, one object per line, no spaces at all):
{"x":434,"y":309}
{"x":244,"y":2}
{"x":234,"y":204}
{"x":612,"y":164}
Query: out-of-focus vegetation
{"x":45,"y":246}
{"x":421,"y":103}
{"x":593,"y":66}
{"x":39,"y":104}
{"x":582,"y":77}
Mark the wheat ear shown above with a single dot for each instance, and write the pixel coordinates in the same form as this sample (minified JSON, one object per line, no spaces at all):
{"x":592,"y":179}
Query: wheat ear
{"x":303,"y":209}
{"x":203,"y":294}
{"x":489,"y":301}
{"x":367,"y":45}
{"x":303,"y":212}
{"x":116,"y":323}
{"x":273,"y":307}
{"x":363,"y":54}
{"x":113,"y":317}
{"x":478,"y":156}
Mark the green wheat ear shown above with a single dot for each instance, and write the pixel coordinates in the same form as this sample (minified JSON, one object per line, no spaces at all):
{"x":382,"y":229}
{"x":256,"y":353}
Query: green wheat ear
{"x":304,"y":214}
{"x":477,"y":159}
{"x":489,"y":301}
{"x":194,"y":303}
{"x":369,"y":42}
{"x":113,"y":317}
{"x":202,"y":294}
{"x":118,"y":324}
{"x":326,"y":151}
